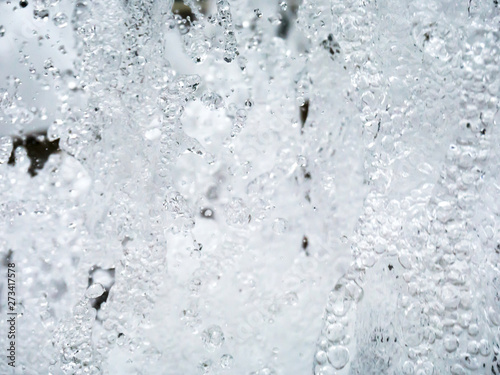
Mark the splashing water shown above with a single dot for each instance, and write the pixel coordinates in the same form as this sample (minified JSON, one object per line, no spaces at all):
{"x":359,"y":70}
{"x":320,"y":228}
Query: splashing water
{"x":251,"y":187}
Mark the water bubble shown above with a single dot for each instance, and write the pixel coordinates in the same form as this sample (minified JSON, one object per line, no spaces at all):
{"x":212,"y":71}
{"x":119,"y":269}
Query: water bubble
{"x":427,"y":368}
{"x":212,"y":100}
{"x":408,"y":368}
{"x":336,"y":115}
{"x":473,"y":347}
{"x":321,"y":357}
{"x":338,"y":356}
{"x":6,"y":146}
{"x":2,"y":31}
{"x":324,"y":370}
{"x":473,"y":330}
{"x":241,"y":115}
{"x":280,"y":225}
{"x":302,"y":161}
{"x":335,"y":332}
{"x":60,"y":20}
{"x":470,"y":362}
{"x":237,"y":212}
{"x":207,"y":213}
{"x":94,"y":291}
{"x":456,"y":369}
{"x":265,"y":371}
{"x":450,"y":343}
{"x":206,"y":366}
{"x":213,"y":337}
{"x":291,"y":298}
{"x":43,"y":14}
{"x":226,"y":361}
{"x":484,"y":347}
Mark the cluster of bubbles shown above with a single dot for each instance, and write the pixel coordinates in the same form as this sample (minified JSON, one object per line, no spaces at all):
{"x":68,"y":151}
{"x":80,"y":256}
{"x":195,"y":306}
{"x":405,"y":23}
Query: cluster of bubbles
{"x":210,"y":169}
{"x":412,"y":302}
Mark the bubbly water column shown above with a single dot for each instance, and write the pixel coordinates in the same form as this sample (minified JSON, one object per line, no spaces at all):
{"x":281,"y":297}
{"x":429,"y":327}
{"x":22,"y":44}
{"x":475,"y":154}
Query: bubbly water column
{"x":249,"y":187}
{"x":425,"y":247}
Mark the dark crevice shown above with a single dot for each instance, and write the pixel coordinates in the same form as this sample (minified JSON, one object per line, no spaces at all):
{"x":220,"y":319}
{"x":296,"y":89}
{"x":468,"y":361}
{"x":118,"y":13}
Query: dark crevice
{"x":304,"y":112}
{"x":7,"y":258}
{"x":288,"y":16}
{"x":378,"y":130}
{"x":305,"y":245}
{"x":97,"y":302}
{"x":38,"y":148}
{"x":284,"y":27}
{"x":183,"y":10}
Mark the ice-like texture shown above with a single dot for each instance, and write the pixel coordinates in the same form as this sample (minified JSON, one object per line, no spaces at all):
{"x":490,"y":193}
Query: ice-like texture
{"x":251,"y":186}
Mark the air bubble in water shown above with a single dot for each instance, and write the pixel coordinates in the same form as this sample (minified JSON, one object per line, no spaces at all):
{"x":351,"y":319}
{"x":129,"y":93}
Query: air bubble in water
{"x":6,"y":146}
{"x":207,"y":213}
{"x":338,"y":356}
{"x":94,"y":291}
{"x":357,"y":140}
{"x":60,"y":20}
{"x":280,"y":225}
{"x":213,"y":337}
{"x":237,"y":213}
{"x":212,"y":100}
{"x":450,"y":343}
{"x":226,"y":361}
